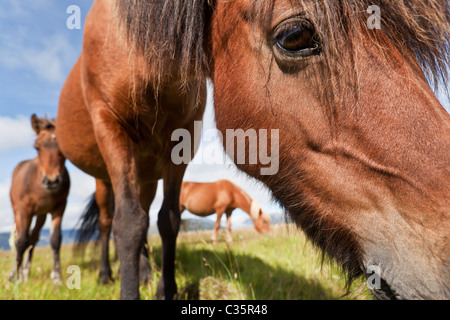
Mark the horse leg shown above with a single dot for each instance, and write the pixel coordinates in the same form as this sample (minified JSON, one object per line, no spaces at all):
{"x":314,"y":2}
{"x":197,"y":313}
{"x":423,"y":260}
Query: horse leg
{"x":22,"y":243}
{"x":229,"y":236}
{"x":34,"y":238}
{"x":147,"y":194}
{"x":169,"y":218}
{"x":130,"y":221}
{"x":104,"y":199}
{"x":55,"y":243}
{"x":219,"y":213}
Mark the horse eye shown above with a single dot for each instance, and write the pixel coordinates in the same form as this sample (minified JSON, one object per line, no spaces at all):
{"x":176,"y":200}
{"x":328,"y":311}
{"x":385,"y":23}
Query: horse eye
{"x":298,"y":41}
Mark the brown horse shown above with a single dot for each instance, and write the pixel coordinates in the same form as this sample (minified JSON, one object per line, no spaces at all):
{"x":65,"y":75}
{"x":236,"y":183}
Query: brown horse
{"x":39,"y":186}
{"x":364,"y":152}
{"x":223,"y":196}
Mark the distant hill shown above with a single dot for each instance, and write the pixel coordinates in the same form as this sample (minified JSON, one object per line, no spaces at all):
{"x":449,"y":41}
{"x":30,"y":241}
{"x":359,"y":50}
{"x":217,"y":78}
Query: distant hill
{"x":69,"y":235}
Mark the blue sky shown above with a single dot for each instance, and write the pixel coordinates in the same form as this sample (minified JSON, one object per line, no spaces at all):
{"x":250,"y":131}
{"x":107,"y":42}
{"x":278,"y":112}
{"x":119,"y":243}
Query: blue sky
{"x":37,"y":51}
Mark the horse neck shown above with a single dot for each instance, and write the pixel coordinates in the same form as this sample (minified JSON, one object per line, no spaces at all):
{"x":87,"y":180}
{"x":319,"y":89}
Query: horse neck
{"x":246,"y":203}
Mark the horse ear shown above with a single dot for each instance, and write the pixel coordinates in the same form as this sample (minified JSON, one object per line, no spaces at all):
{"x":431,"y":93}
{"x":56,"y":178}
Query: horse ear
{"x":35,"y":123}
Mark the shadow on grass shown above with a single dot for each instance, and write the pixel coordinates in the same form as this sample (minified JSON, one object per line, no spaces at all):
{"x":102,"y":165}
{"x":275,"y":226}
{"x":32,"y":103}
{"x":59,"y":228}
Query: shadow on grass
{"x":209,"y":272}
{"x":220,"y":273}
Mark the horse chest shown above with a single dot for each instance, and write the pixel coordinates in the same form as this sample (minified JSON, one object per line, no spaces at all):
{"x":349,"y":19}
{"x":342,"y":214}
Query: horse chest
{"x":45,"y":203}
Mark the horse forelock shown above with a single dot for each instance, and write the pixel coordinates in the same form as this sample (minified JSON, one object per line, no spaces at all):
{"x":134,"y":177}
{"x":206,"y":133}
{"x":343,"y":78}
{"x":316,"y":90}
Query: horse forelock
{"x":255,"y":210}
{"x":419,"y":29}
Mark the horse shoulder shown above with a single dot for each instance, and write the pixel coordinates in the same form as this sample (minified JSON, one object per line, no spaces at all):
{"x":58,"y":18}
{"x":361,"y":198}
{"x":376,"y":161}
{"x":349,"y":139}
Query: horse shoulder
{"x":23,"y":172}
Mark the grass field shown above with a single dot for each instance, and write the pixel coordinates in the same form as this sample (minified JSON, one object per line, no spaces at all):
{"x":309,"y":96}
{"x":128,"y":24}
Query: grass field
{"x":282,"y":266}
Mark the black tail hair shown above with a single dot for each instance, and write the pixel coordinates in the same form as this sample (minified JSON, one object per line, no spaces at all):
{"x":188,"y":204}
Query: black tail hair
{"x":88,"y":223}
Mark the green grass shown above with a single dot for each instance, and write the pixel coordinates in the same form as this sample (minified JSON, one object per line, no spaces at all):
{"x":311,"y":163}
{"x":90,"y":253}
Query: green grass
{"x":282,"y":266}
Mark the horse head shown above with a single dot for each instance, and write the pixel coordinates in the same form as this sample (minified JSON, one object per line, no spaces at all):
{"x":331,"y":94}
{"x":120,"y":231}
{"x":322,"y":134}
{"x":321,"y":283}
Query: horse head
{"x":51,"y":160}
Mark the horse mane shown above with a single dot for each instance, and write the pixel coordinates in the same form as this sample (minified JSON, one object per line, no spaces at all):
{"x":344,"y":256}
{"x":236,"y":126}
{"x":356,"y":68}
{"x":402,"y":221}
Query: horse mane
{"x":170,"y":34}
{"x":48,"y":124}
{"x":43,"y":123}
{"x":254,"y":211}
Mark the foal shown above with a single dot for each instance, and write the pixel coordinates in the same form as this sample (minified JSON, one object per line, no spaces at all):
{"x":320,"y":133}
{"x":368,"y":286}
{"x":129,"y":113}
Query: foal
{"x":39,"y":186}
{"x":204,"y":199}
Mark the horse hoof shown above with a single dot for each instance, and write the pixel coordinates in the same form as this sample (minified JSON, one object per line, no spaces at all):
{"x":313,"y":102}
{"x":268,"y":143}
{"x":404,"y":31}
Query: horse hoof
{"x":25,"y":274}
{"x":105,"y":279}
{"x":12,"y":277}
{"x":145,"y":272}
{"x":56,"y":277}
{"x":145,"y":279}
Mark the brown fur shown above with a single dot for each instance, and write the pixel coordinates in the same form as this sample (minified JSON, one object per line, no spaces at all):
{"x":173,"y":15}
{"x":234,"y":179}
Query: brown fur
{"x":364,"y":153}
{"x":39,"y":186}
{"x":204,"y":199}
{"x":364,"y":162}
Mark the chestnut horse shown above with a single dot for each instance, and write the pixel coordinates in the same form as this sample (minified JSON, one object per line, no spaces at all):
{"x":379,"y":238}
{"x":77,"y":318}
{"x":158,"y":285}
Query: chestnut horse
{"x":39,"y":186}
{"x":364,"y":153}
{"x":223,"y":196}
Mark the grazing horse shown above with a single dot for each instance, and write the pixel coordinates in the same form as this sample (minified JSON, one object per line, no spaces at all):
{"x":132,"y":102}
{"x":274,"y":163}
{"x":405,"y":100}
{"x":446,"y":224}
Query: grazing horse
{"x":39,"y":186}
{"x":364,"y":154}
{"x":204,"y":199}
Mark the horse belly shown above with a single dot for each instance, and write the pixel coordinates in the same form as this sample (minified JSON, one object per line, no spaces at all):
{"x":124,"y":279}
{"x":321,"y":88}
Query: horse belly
{"x":200,"y":205}
{"x":74,"y":129}
{"x":201,"y":202}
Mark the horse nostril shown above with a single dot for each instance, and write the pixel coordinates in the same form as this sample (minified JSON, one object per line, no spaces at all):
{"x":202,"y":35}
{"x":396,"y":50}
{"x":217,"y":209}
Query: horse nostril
{"x":51,"y":182}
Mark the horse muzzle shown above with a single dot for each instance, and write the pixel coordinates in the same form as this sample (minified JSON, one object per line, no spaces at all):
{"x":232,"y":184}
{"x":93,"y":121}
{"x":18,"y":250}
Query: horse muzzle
{"x":51,"y":182}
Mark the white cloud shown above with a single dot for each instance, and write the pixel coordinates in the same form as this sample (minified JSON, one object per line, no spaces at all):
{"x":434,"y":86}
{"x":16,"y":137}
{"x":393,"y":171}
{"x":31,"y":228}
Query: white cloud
{"x":47,"y":59}
{"x":15,"y":133}
{"x":6,"y":212}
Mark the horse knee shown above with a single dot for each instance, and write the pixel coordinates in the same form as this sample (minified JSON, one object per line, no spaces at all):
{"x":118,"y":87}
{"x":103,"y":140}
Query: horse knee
{"x":55,"y":240}
{"x":104,"y":225}
{"x":169,"y":222}
{"x":130,"y":230}
{"x":22,"y":243}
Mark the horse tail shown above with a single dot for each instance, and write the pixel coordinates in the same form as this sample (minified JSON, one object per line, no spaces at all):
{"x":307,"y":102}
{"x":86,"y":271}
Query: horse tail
{"x":12,"y":238}
{"x":88,"y":223}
